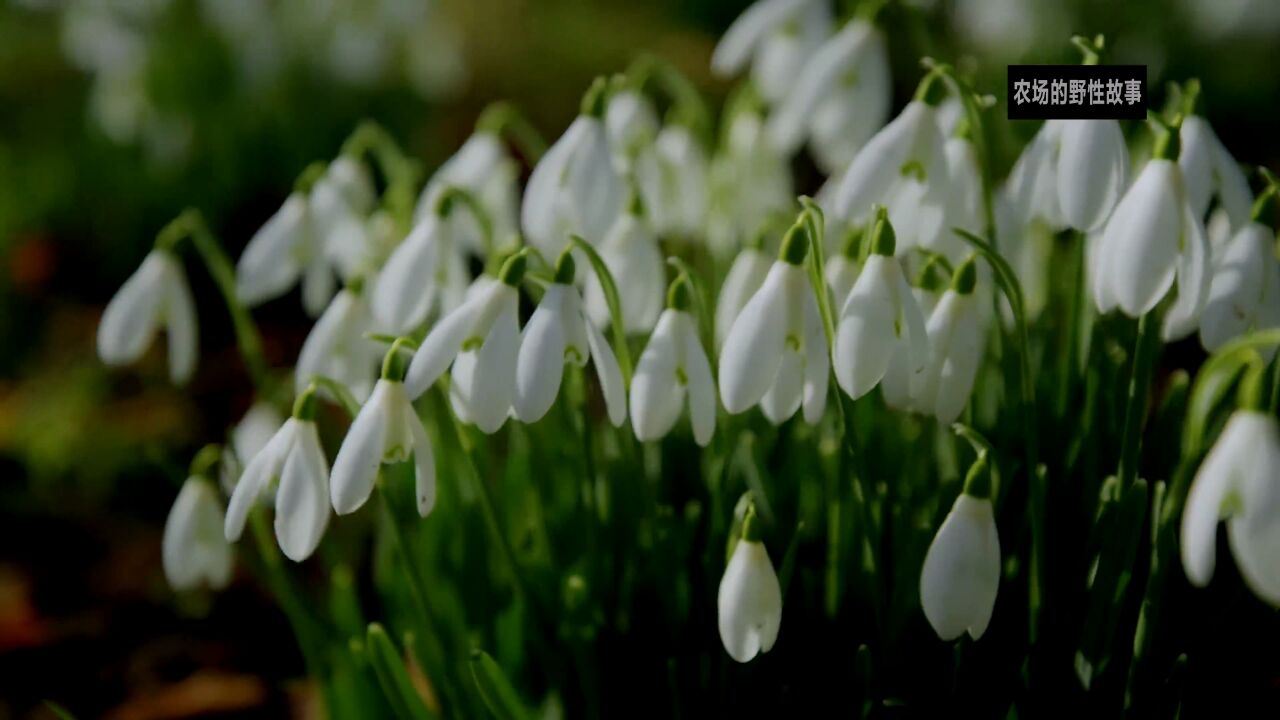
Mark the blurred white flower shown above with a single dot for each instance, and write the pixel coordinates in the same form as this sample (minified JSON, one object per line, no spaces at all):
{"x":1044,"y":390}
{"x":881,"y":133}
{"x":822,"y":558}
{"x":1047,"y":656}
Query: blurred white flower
{"x":1211,"y":173}
{"x":776,"y":37}
{"x":775,"y":353}
{"x":749,"y":602}
{"x":557,"y":334}
{"x":1092,"y":167}
{"x":680,"y":211}
{"x":337,"y":347}
{"x":424,"y":269}
{"x":750,"y":183}
{"x":193,"y":550}
{"x":630,"y":251}
{"x":248,"y":437}
{"x":484,"y":168}
{"x":1244,"y":294}
{"x":746,"y":275}
{"x":1239,"y":480}
{"x":955,"y":349}
{"x":155,"y":296}
{"x":673,"y":368}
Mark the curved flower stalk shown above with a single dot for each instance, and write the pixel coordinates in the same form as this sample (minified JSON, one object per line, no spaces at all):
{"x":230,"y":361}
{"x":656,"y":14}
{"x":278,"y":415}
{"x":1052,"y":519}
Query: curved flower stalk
{"x":1210,"y":172}
{"x":248,"y":437}
{"x":838,"y":100}
{"x":557,"y":334}
{"x":961,"y":573}
{"x":155,"y":296}
{"x":746,"y":275}
{"x":630,"y":251}
{"x":1239,"y":480}
{"x":386,"y":431}
{"x":337,"y":347}
{"x":424,"y":269}
{"x":750,"y":180}
{"x":1153,"y":238}
{"x":481,"y":340}
{"x":775,"y":354}
{"x":955,"y":348}
{"x":776,"y":37}
{"x":575,"y":189}
{"x":903,"y":168}
{"x":484,"y":168}
{"x":193,"y":550}
{"x":1244,"y":293}
{"x":294,"y":459}
{"x":680,"y":211}
{"x":674,"y":368}
{"x":749,"y":602}
{"x":879,"y":316}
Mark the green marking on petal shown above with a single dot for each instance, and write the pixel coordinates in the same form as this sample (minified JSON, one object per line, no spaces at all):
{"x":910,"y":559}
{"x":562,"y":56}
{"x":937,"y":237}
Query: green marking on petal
{"x":681,"y":377}
{"x":472,"y":343}
{"x":914,"y":169}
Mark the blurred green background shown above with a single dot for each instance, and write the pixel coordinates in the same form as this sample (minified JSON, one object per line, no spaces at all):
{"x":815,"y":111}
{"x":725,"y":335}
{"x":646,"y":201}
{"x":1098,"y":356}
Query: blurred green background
{"x":115,"y":115}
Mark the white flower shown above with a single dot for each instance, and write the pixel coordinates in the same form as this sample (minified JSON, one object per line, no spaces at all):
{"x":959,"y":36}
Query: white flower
{"x":955,"y":349}
{"x":1032,"y":187}
{"x":575,"y":188}
{"x":1152,"y":238}
{"x":631,"y":124}
{"x":1210,"y":171}
{"x":775,"y":353}
{"x":337,"y":348}
{"x":879,"y":317}
{"x":1244,"y":294}
{"x":839,"y":99}
{"x":293,"y":459}
{"x":631,"y":253}
{"x":749,"y":602}
{"x":386,"y":431}
{"x":193,"y":550}
{"x":481,"y":339}
{"x":776,"y":37}
{"x":842,"y":272}
{"x":279,"y":253}
{"x":1093,"y":165}
{"x":745,"y":277}
{"x":673,"y":367}
{"x":350,"y":177}
{"x":423,"y":269}
{"x":681,"y":207}
{"x":750,"y":182}
{"x":248,"y":437}
{"x":964,"y":200}
{"x":961,"y":572}
{"x":1239,"y":480}
{"x":903,"y":168}
{"x":155,"y":295}
{"x":484,"y":168}
{"x":341,"y":231}
{"x":559,"y":333}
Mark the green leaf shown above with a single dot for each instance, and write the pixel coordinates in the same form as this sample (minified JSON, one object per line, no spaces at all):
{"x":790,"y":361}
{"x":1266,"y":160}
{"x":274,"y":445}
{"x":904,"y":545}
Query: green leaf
{"x":389,"y":667}
{"x":61,"y":712}
{"x":495,"y":689}
{"x":615,"y":306}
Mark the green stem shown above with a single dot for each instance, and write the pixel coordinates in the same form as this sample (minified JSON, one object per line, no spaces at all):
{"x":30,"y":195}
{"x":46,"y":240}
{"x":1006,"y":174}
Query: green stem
{"x":473,"y":205}
{"x":502,"y":118}
{"x":400,"y":171}
{"x":1144,"y":345}
{"x":306,"y":628}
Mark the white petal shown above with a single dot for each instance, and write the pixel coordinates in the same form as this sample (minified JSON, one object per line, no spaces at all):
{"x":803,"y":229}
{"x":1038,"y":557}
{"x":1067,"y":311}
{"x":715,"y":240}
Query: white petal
{"x":817,"y":362}
{"x":595,"y":190}
{"x":1092,"y":164}
{"x":540,"y":364}
{"x":255,"y":430}
{"x":356,"y":466}
{"x":1233,"y":186}
{"x":403,"y":292}
{"x":446,"y":339}
{"x":273,"y":259}
{"x":838,"y":55}
{"x":424,"y":463}
{"x":258,"y":474}
{"x":180,"y":323}
{"x":325,"y":339}
{"x":1193,"y":275}
{"x":302,"y":502}
{"x":193,"y":551}
{"x":1142,"y":236}
{"x":879,"y":164}
{"x":1256,"y":547}
{"x":701,"y":388}
{"x":784,"y":396}
{"x":958,"y":357}
{"x":745,"y":277}
{"x":749,"y":602}
{"x":866,"y":332}
{"x":961,"y":572}
{"x":494,"y":376}
{"x":842,"y":273}
{"x":752,"y":352}
{"x":1196,"y":160}
{"x":318,"y":285}
{"x":131,"y":319}
{"x":744,"y":35}
{"x":1216,"y":478}
{"x":656,"y":394}
{"x":1238,"y":286}
{"x":608,"y":372}
{"x":539,"y":212}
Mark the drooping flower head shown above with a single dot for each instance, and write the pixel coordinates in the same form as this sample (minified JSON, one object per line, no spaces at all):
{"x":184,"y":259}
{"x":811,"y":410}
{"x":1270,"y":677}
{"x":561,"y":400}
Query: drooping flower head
{"x":193,"y":551}
{"x":337,"y":348}
{"x":425,"y":269}
{"x":155,"y":296}
{"x":484,"y":168}
{"x":630,"y":251}
{"x":674,"y":369}
{"x":776,"y":37}
{"x":749,"y":601}
{"x":1244,"y":294}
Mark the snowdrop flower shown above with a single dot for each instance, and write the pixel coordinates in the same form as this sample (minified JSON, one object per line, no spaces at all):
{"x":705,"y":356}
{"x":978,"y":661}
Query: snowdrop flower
{"x":155,"y":296}
{"x":1153,"y":238}
{"x":680,"y":210}
{"x":424,"y":269}
{"x":777,"y":37}
{"x":631,"y":124}
{"x":351,"y":179}
{"x":294,"y":459}
{"x":903,"y":167}
{"x":631,"y":253}
{"x":955,"y":348}
{"x":879,"y":316}
{"x":248,"y":437}
{"x":340,"y":226}
{"x":481,"y":339}
{"x":901,"y":387}
{"x":745,"y":277}
{"x":1239,"y":480}
{"x":559,"y":333}
{"x":1244,"y":293}
{"x":749,"y":602}
{"x":843,"y":268}
{"x":1032,"y":187}
{"x":337,"y":348}
{"x":964,"y":199}
{"x":673,"y":368}
{"x":839,"y":99}
{"x":483,"y":168}
{"x":1209,"y":171}
{"x":386,"y":431}
{"x":961,"y":572}
{"x":193,"y":550}
{"x":575,"y":188}
{"x":750,"y":180}
{"x":1072,"y":174}
{"x":776,"y":353}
